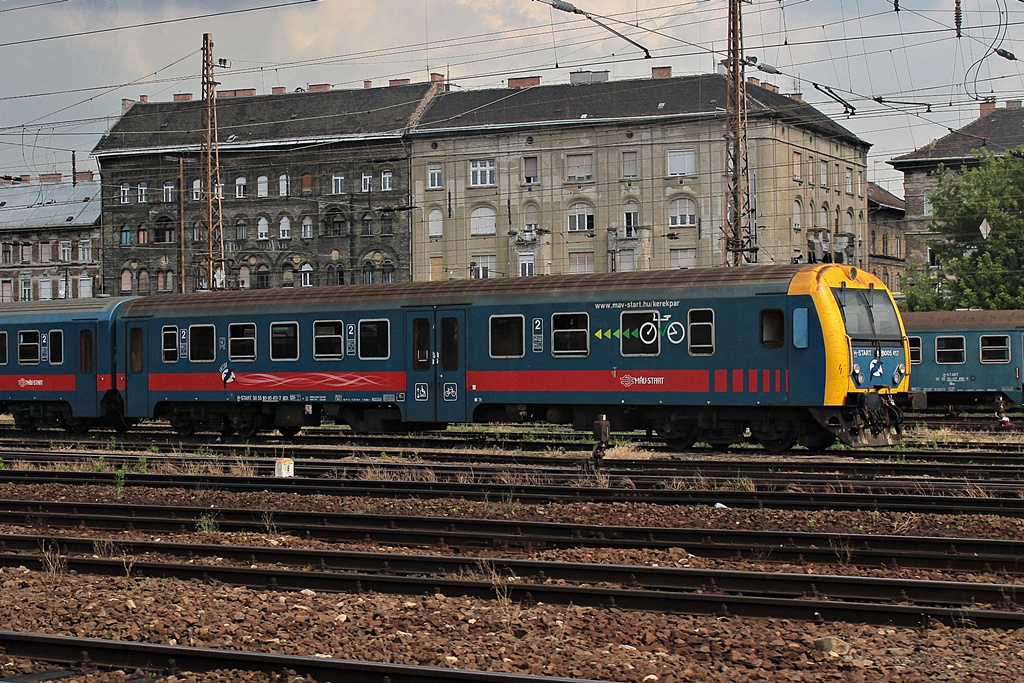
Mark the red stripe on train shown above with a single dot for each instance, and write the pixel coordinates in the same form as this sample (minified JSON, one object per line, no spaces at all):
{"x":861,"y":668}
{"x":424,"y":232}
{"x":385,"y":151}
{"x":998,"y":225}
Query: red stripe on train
{"x":278,"y":381}
{"x":37,"y":383}
{"x":589,"y":380}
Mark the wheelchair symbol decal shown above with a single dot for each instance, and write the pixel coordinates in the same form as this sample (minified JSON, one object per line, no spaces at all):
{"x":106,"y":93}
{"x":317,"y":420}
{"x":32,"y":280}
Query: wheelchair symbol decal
{"x":420,"y":391}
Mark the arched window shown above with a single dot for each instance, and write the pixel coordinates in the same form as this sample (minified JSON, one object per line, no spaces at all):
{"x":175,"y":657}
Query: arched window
{"x":262,"y":277}
{"x":531,"y":220}
{"x":387,"y":273}
{"x":306,"y":275}
{"x":164,"y":230}
{"x":126,"y":280}
{"x":823,"y":218}
{"x":482,"y":221}
{"x":435,"y":223}
{"x":143,"y":282}
{"x":307,"y":184}
{"x":367,"y":224}
{"x":798,"y":214}
{"x":885,"y":244}
{"x":283,"y":185}
{"x":240,"y":187}
{"x":241,"y":229}
{"x":331,"y":274}
{"x":285,"y":228}
{"x":287,"y":276}
{"x":873,"y":243}
{"x":307,"y":228}
{"x":387,"y":223}
{"x":581,"y":217}
{"x":368,"y":270}
{"x":243,"y":278}
{"x":682,"y":212}
{"x":262,"y":186}
{"x":126,"y":234}
{"x":262,"y":229}
{"x":160,"y":286}
{"x":197,"y":190}
{"x":631,"y":219}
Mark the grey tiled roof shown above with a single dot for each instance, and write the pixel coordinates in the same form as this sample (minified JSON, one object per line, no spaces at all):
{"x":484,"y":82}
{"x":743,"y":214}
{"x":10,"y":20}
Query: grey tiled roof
{"x":267,"y":119}
{"x":997,"y":131}
{"x":30,"y":206}
{"x":640,"y":98}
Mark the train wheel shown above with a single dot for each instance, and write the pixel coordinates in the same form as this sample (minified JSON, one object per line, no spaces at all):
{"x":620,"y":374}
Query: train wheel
{"x":679,"y":436}
{"x":289,"y":431}
{"x":183,"y":424}
{"x":780,"y":444}
{"x":24,"y":422}
{"x":75,"y":426}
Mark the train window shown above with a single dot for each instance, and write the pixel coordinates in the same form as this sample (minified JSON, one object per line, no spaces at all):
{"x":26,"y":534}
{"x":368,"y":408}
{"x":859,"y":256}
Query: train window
{"x":202,"y":343}
{"x":421,"y":344}
{"x":950,"y":350}
{"x":701,"y":331}
{"x":995,"y":348}
{"x":284,"y":341}
{"x":915,"y":350}
{"x":773,"y":328}
{"x":85,"y":352}
{"x":56,"y":347}
{"x":570,"y":334}
{"x":135,"y":356}
{"x":242,"y":341}
{"x":868,"y":313}
{"x":507,"y":336}
{"x":169,"y":351}
{"x":328,"y":340}
{"x":3,"y":348}
{"x":374,"y":339}
{"x":639,"y":334}
{"x":28,"y":347}
{"x":449,"y":344}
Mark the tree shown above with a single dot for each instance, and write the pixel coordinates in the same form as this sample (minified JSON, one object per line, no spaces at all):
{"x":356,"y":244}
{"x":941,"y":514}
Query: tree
{"x":978,"y":271}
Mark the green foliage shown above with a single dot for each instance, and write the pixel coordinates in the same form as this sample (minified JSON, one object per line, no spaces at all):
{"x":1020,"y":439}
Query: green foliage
{"x":143,"y":465}
{"x":207,"y":523}
{"x":119,"y":477}
{"x":977,"y":272}
{"x":100,"y":464}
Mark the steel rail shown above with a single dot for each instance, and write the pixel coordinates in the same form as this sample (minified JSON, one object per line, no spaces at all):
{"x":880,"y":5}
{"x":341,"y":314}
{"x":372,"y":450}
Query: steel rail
{"x":125,"y":654}
{"x":862,"y":550}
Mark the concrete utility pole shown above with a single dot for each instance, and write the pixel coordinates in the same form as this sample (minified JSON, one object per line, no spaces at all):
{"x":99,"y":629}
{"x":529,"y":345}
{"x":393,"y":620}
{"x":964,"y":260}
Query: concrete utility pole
{"x":210,"y":163}
{"x":740,"y":239}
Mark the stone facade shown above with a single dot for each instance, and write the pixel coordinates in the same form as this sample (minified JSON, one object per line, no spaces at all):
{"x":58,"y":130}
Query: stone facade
{"x":886,"y":237}
{"x":49,"y":237}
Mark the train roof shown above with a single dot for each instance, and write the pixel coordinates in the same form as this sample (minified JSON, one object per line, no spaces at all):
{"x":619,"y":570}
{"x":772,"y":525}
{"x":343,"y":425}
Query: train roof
{"x":953,"y":321}
{"x":742,"y":281}
{"x":100,"y":307}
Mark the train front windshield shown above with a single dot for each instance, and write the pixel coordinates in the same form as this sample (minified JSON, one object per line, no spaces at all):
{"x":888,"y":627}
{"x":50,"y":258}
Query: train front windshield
{"x":869,"y":314}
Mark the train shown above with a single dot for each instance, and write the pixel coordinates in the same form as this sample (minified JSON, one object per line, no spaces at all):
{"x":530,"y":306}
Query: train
{"x":966,"y":358}
{"x":776,"y":355}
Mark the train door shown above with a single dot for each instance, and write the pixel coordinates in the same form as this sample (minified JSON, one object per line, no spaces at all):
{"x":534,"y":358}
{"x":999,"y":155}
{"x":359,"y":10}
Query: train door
{"x":436,"y":380}
{"x":137,"y":374}
{"x":87,"y":389}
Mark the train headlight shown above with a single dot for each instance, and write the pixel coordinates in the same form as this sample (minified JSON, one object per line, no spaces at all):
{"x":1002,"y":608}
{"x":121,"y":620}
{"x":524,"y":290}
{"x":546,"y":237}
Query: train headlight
{"x":899,"y":374}
{"x":857,"y":374}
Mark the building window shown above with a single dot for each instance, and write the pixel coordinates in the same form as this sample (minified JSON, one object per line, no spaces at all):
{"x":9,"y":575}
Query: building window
{"x":435,"y":223}
{"x":335,"y":224}
{"x":387,"y":273}
{"x":287,"y":276}
{"x":682,"y":258}
{"x":285,"y":228}
{"x":434,"y":178}
{"x":197,"y":190}
{"x":482,"y":221}
{"x":579,"y":168}
{"x":386,"y":181}
{"x":798,"y":166}
{"x":126,"y":193}
{"x":45,"y":289}
{"x":631,"y":219}
{"x":367,"y":181}
{"x":143,"y":193}
{"x":241,"y":229}
{"x":44,"y":252}
{"x":581,"y":217}
{"x":126,"y":280}
{"x":168,"y":192}
{"x":530,"y":170}
{"x":387,"y":224}
{"x":625,"y":260}
{"x":849,"y":180}
{"x":481,"y":172}
{"x":823,"y":173}
{"x":306,"y":275}
{"x":85,"y":250}
{"x":682,"y":162}
{"x":531,"y":220}
{"x":284,"y":185}
{"x":682,"y":213}
{"x":142,"y":236}
{"x":926,"y":209}
{"x":26,"y":253}
{"x":262,"y":229}
{"x":367,"y":224}
{"x":65,"y":251}
{"x":85,"y":287}
{"x":126,"y":235}
{"x":8,"y":254}
{"x":581,"y":262}
{"x":26,"y":290}
{"x":368,"y":270}
{"x":526,"y":265}
{"x":798,"y":213}
{"x":240,"y":187}
{"x":482,"y":266}
{"x":307,"y":228}
{"x":630,"y":165}
{"x":262,"y":186}
{"x":337,"y":184}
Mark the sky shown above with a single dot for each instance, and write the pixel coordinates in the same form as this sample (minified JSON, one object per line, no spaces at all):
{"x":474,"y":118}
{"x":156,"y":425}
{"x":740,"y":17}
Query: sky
{"x":66,"y":65}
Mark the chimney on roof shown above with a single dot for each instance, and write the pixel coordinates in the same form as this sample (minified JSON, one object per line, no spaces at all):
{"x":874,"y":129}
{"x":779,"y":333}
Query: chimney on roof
{"x":25,"y":178}
{"x":81,"y":176}
{"x":753,"y":81}
{"x":523,"y":81}
{"x":367,"y":84}
{"x":436,"y":78}
{"x":278,"y":90}
{"x":988,"y":105}
{"x":1013,"y":104}
{"x":796,"y":96}
{"x":243,"y":92}
{"x":143,"y":98}
{"x":770,"y":87}
{"x":398,"y":81}
{"x":320,"y":87}
{"x":126,"y":104}
{"x":661,"y":72}
{"x":49,"y":177}
{"x":183,"y":97}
